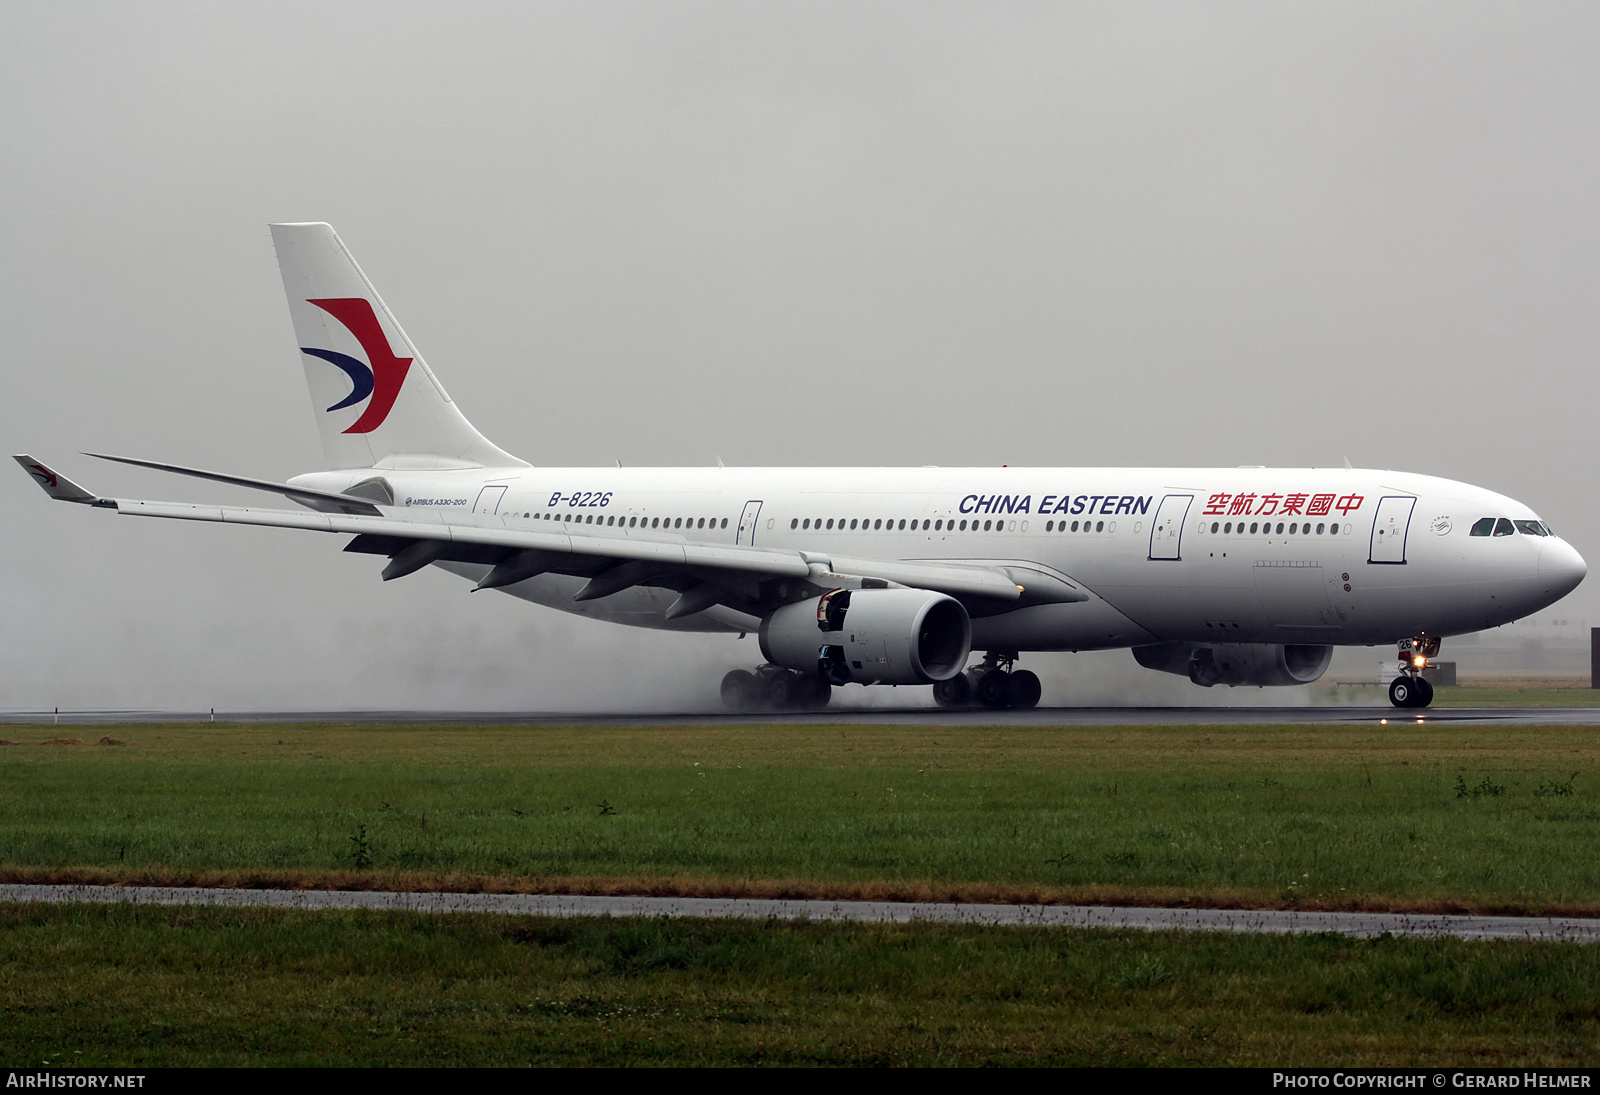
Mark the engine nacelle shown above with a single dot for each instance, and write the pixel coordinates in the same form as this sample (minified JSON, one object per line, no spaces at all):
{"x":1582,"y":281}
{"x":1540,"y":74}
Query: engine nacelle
{"x":871,"y":636}
{"x":1207,"y":664}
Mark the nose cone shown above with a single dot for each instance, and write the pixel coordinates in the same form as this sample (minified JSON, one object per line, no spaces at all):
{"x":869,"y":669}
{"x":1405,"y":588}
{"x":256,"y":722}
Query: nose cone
{"x":1561,"y":568}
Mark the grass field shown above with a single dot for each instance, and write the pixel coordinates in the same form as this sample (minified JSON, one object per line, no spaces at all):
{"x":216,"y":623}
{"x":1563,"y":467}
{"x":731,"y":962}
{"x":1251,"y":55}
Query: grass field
{"x":1406,"y":816}
{"x":1519,"y":692}
{"x":139,"y":986}
{"x":1401,"y":816}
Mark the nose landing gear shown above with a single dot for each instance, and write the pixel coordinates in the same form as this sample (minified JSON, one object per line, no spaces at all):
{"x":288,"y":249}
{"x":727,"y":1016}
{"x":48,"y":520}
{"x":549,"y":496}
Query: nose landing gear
{"x":1410,"y":688}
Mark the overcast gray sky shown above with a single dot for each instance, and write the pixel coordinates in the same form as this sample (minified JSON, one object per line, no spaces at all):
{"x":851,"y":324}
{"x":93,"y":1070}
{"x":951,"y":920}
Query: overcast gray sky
{"x":818,"y":233}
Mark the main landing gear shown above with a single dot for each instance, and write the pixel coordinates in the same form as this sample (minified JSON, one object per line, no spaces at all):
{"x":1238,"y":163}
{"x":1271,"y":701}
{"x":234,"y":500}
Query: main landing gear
{"x":994,"y":682}
{"x":1410,"y":688}
{"x":773,"y":688}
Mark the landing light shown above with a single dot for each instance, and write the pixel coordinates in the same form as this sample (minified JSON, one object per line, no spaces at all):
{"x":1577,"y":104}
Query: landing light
{"x":1419,"y":661}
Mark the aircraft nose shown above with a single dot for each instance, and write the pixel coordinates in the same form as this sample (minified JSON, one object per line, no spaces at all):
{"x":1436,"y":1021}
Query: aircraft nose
{"x":1561,"y":568}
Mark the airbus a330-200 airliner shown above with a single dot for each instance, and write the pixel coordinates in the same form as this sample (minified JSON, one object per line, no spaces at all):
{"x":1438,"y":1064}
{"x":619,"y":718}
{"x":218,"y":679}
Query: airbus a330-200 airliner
{"x":888,"y":576}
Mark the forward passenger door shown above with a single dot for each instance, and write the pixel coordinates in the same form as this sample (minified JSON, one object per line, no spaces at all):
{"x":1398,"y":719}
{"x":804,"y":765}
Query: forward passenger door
{"x":1389,"y":530}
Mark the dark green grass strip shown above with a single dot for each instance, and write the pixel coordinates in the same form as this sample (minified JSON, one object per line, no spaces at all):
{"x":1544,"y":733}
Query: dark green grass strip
{"x":140,"y":986}
{"x":1480,"y":818}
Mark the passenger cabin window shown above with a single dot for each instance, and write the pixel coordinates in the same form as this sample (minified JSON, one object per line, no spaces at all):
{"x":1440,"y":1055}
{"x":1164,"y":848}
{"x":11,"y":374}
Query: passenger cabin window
{"x":1503,"y":527}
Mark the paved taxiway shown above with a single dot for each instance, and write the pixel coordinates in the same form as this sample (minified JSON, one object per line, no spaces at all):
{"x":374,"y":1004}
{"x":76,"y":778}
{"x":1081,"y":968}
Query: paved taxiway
{"x":1360,"y":925}
{"x":881,"y":716}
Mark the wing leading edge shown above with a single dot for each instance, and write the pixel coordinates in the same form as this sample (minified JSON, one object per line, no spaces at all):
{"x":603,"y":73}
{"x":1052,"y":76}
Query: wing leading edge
{"x":614,"y":562}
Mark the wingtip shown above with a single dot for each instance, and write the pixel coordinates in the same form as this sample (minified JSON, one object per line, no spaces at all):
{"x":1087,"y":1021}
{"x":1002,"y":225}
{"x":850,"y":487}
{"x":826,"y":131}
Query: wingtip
{"x":53,"y":483}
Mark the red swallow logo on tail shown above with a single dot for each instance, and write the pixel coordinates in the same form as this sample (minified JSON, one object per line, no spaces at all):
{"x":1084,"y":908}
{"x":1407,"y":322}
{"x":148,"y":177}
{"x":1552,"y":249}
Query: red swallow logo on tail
{"x":380,"y":376}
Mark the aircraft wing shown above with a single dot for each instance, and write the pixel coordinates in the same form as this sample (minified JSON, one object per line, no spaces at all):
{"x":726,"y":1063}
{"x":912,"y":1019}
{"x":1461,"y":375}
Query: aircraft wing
{"x":312,"y":499}
{"x":612,"y":563}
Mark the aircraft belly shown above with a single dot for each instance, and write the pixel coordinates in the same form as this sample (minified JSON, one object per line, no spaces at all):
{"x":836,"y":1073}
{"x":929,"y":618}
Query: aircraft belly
{"x":1082,"y":625}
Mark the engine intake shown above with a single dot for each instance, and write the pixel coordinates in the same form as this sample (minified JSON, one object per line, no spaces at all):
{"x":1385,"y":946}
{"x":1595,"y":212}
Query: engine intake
{"x":871,"y":636}
{"x":1207,"y":664}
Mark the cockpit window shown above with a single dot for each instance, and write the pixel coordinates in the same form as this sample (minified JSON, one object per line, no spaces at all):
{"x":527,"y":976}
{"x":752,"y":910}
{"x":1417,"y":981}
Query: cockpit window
{"x":1532,"y":528}
{"x":1503,"y":527}
{"x":1483,"y":526}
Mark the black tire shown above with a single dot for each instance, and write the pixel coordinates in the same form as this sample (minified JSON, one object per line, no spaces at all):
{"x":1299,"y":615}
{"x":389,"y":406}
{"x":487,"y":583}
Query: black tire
{"x":1403,"y":692}
{"x":815,"y":694}
{"x":994,"y":688}
{"x":781,"y":690}
{"x":1025,"y":689}
{"x":955,"y":692}
{"x":1424,"y":692}
{"x":739,"y":690}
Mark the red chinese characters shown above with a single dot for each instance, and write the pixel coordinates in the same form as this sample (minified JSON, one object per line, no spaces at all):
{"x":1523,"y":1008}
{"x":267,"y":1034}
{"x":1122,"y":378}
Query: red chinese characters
{"x":1281,"y":505}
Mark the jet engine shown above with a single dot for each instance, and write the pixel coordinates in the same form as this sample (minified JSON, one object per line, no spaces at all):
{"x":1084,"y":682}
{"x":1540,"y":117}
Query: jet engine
{"x":871,"y":636}
{"x":1207,"y":664}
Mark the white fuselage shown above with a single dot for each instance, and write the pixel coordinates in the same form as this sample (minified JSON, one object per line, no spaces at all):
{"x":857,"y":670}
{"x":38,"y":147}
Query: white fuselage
{"x":1247,"y":555}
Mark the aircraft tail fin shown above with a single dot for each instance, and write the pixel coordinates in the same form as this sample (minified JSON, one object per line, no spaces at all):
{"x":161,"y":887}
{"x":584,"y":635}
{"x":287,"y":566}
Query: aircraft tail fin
{"x":376,"y":402}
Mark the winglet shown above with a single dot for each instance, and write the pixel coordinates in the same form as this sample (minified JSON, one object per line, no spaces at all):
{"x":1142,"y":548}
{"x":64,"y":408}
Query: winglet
{"x":55,"y":484}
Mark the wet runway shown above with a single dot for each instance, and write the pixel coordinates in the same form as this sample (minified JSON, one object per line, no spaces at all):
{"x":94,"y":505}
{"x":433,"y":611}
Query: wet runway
{"x":1348,"y":714}
{"x":1359,"y":925}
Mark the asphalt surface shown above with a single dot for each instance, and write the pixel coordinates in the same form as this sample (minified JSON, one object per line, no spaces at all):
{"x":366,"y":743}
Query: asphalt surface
{"x":910,"y":716}
{"x":1360,"y":925}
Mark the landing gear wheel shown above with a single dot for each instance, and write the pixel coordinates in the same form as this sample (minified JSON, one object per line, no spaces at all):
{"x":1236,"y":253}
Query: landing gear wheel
{"x":1410,"y":692}
{"x":1424,"y":691}
{"x":955,"y":692}
{"x":814,"y":694}
{"x":739,"y":690}
{"x":1025,"y":689}
{"x":781,"y":690}
{"x":1402,"y":693}
{"x":994,"y":688}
